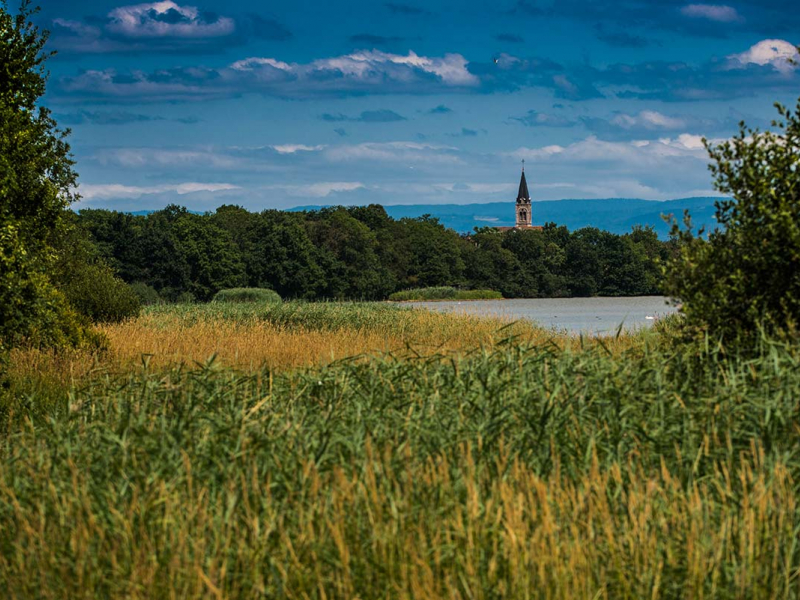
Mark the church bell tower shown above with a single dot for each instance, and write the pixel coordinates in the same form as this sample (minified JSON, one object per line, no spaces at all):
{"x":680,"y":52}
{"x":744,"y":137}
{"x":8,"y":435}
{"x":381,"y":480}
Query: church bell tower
{"x":523,"y":203}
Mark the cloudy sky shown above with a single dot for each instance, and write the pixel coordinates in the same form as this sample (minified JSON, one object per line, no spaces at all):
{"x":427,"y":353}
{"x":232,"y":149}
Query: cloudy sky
{"x":272,"y":104}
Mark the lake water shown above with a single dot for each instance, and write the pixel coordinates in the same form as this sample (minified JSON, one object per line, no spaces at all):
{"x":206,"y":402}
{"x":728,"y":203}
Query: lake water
{"x":575,"y":315}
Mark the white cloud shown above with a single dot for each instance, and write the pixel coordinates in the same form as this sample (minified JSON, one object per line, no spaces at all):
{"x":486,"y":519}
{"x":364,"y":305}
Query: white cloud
{"x":691,"y":142}
{"x":451,"y":69}
{"x":373,"y":67}
{"x":592,"y":149}
{"x":166,"y":19}
{"x":564,"y":84}
{"x":648,"y":119}
{"x":670,"y":167}
{"x":537,"y":153}
{"x":399,"y":152}
{"x":251,"y":64}
{"x":193,"y":188}
{"x":119,"y":191}
{"x":373,"y":71}
{"x":713,"y":12}
{"x":293,"y":148}
{"x":777,"y":53}
{"x":134,"y":158}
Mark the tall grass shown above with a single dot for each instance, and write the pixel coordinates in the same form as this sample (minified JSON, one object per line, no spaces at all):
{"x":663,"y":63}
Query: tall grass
{"x":520,"y":470}
{"x":247,"y":295}
{"x":253,"y":335}
{"x":444,"y":293}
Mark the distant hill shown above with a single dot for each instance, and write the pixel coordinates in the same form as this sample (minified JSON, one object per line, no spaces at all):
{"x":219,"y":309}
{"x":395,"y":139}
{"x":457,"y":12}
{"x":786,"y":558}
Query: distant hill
{"x":617,"y":215}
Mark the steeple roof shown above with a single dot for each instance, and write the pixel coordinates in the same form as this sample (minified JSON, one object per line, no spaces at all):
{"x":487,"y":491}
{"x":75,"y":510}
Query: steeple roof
{"x":523,"y":188}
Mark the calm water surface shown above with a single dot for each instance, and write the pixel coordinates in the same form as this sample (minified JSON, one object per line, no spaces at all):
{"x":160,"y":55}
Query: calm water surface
{"x":575,"y":315}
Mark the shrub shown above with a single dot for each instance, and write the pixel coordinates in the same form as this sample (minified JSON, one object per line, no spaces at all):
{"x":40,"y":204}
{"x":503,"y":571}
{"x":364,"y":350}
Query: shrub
{"x":746,"y":275}
{"x":94,"y":291}
{"x":32,"y":310}
{"x":430,"y":293}
{"x":444,"y":293}
{"x":185,"y":298}
{"x":248,"y":295}
{"x":147,"y":294}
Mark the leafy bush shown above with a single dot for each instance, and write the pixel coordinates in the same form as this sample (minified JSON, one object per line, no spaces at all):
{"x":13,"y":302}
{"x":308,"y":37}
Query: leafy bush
{"x":248,"y":295}
{"x":444,"y":293}
{"x":746,"y":275}
{"x":430,"y":293}
{"x":147,"y":294}
{"x":32,"y":310}
{"x":94,"y":291}
{"x":185,"y":298}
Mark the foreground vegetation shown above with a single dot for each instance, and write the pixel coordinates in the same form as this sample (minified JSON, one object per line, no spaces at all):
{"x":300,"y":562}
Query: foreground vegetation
{"x":523,"y":468}
{"x":444,"y":293}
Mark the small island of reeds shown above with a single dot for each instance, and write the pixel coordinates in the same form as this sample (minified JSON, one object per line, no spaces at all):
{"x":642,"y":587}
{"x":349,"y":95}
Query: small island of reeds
{"x":443,"y":293}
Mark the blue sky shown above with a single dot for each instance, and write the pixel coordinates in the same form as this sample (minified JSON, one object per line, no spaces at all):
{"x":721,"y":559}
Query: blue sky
{"x":278,"y":104}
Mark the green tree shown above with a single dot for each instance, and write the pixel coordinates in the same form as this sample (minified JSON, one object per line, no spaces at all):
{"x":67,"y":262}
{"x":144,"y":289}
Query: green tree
{"x":746,"y":274}
{"x":582,"y":262}
{"x":432,"y":253}
{"x":90,"y":286}
{"x":350,"y":257}
{"x":393,"y":244}
{"x":281,"y":256}
{"x":141,"y":249}
{"x":553,"y":282}
{"x":212,"y":257}
{"x":36,"y":186}
{"x":529,"y":247}
{"x":491,"y":266}
{"x":650,"y":254}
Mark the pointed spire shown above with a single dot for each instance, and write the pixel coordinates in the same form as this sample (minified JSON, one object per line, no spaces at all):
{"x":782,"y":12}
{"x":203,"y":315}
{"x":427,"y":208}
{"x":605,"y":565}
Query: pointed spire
{"x":523,"y":186}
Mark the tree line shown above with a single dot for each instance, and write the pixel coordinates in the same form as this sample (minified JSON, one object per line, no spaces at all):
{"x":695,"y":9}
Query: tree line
{"x":362,"y":253}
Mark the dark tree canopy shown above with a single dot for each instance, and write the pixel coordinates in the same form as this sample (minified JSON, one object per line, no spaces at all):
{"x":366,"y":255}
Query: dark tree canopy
{"x":362,"y":253}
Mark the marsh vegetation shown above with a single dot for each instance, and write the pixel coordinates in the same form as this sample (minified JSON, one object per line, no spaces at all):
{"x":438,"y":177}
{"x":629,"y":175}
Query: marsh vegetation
{"x":366,"y":450}
{"x":444,"y":293}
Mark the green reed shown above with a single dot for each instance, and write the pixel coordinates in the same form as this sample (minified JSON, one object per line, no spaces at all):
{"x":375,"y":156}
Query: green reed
{"x":520,"y":472}
{"x":444,"y":293}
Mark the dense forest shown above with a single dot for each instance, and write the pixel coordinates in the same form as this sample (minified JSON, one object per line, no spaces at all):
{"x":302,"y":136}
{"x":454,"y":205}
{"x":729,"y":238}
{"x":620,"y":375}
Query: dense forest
{"x":362,"y":253}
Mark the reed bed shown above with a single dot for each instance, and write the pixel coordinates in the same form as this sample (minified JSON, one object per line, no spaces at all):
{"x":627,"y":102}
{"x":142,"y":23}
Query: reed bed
{"x":521,"y":470}
{"x":444,"y":293}
{"x":278,"y":336}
